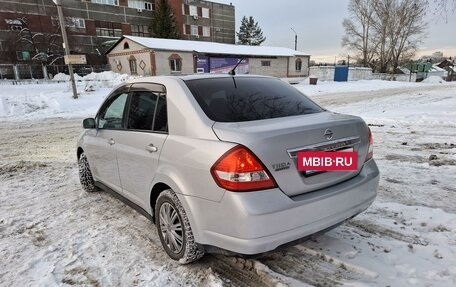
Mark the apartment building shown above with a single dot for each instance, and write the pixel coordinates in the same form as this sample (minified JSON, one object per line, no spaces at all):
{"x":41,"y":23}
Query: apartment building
{"x":93,"y":25}
{"x":205,"y":21}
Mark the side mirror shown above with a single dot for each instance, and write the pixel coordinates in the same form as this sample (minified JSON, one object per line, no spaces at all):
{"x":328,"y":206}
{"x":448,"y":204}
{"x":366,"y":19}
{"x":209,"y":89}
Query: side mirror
{"x":89,"y":123}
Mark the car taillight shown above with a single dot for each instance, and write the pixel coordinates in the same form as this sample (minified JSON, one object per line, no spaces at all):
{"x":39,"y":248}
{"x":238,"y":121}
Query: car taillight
{"x":240,"y":170}
{"x":370,"y":151}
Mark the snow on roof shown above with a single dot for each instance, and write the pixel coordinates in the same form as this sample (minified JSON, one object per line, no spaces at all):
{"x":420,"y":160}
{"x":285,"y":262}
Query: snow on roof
{"x":213,"y":48}
{"x":436,"y":68}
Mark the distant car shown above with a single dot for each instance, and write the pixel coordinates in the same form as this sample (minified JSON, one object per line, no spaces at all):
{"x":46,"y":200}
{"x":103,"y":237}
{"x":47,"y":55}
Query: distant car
{"x":213,"y":160}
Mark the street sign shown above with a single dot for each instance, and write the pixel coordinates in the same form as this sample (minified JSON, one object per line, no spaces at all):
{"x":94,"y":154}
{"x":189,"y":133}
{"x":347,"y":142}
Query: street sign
{"x":75,"y":59}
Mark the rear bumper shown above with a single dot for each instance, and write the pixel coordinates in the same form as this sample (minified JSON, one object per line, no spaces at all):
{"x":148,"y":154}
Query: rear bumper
{"x":256,"y":222}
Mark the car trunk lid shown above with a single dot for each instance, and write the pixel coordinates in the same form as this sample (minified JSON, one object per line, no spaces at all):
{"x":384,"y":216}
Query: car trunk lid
{"x":277,"y":141}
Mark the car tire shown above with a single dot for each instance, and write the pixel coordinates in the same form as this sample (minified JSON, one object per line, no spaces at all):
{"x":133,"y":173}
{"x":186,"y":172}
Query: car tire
{"x":85,"y":175}
{"x":174,"y":229}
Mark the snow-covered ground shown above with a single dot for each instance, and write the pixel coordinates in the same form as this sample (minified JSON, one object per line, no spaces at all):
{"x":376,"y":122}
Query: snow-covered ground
{"x":52,"y":233}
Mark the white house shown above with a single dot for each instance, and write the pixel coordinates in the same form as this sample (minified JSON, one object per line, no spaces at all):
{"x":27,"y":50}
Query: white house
{"x":154,"y":56}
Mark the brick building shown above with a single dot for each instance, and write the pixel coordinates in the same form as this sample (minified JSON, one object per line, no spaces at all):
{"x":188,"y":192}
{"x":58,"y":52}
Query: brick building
{"x":93,"y":25}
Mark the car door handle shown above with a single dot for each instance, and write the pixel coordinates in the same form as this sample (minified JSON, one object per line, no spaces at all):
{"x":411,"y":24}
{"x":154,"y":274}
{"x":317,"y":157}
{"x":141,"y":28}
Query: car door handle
{"x":111,"y":142}
{"x":151,"y":148}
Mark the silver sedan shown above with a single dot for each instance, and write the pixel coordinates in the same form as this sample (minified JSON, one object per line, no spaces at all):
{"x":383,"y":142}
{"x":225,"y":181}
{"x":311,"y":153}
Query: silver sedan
{"x":232,"y":164}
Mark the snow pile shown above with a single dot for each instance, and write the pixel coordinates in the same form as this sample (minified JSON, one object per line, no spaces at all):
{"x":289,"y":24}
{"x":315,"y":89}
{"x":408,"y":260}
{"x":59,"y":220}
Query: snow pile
{"x":107,"y":79}
{"x":433,"y":80}
{"x":53,"y":233}
{"x":330,"y":87}
{"x":39,"y":101}
{"x":61,"y":77}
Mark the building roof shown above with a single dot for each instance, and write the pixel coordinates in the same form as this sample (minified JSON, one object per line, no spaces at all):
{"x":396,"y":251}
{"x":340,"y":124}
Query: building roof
{"x":211,"y":48}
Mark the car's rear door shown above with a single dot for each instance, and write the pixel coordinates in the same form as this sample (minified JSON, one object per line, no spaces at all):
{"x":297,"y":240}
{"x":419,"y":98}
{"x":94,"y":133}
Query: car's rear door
{"x":139,"y":147}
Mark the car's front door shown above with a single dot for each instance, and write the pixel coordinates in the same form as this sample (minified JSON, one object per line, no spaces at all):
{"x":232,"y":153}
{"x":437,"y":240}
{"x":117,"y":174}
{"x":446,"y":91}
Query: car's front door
{"x":109,"y":128}
{"x":139,"y":147}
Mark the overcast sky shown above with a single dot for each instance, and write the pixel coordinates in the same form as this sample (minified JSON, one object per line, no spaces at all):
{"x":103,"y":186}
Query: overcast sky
{"x":318,"y":24}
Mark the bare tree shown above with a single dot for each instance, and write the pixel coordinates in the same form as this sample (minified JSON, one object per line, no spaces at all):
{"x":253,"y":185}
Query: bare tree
{"x":383,"y":32}
{"x":47,"y":47}
{"x":382,"y":23}
{"x":358,"y":29}
{"x":443,"y":6}
{"x":407,"y":28}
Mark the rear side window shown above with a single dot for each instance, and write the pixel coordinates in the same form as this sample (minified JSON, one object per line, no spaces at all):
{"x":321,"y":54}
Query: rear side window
{"x":141,"y":111}
{"x":147,"y":112}
{"x":242,"y":99}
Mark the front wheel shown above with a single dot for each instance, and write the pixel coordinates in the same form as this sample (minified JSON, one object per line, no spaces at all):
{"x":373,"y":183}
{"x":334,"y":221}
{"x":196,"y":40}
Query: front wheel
{"x":85,"y":175}
{"x":174,"y":229}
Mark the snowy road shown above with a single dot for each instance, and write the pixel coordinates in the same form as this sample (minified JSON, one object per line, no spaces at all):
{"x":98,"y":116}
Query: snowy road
{"x":52,"y":233}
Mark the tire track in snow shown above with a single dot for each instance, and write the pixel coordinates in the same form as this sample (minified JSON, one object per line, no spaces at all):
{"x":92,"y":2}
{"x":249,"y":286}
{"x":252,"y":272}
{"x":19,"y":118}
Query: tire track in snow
{"x":311,"y":268}
{"x":238,"y":272}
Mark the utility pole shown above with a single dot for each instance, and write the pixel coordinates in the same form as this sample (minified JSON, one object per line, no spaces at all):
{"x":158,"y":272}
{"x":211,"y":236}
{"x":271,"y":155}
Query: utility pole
{"x":296,"y":39}
{"x":58,"y":3}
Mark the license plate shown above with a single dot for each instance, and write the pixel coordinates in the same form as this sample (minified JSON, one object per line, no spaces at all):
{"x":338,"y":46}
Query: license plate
{"x":313,"y":162}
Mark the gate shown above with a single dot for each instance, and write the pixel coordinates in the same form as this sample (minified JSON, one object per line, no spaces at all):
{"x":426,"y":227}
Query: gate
{"x":341,"y":74}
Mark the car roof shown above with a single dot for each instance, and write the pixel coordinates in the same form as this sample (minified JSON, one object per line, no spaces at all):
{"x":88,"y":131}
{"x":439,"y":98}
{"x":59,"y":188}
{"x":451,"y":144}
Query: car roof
{"x":193,"y":77}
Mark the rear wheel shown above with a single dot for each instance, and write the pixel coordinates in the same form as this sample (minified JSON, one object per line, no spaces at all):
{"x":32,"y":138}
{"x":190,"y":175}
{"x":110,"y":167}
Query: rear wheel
{"x":85,"y":175}
{"x":174,"y":229}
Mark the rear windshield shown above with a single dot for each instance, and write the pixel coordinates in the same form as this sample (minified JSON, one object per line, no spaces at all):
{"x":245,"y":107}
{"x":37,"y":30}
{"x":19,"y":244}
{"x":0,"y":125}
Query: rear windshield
{"x":243,"y":99}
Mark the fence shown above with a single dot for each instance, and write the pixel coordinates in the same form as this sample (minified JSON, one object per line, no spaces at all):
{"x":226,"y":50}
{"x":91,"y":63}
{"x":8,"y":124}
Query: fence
{"x":36,"y":72}
{"x":326,"y":73}
{"x":395,"y":77}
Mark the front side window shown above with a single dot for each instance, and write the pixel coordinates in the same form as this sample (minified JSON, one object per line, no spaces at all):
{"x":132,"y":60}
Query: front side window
{"x":112,"y":115}
{"x":248,"y":99}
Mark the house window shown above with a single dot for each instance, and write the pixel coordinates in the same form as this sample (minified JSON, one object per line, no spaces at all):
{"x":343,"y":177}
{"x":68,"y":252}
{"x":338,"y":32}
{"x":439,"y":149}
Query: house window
{"x":298,"y":65}
{"x":108,"y":29}
{"x":141,"y":30}
{"x":15,"y":25}
{"x":126,"y":46}
{"x":265,"y":63}
{"x":175,"y":63}
{"x":107,"y":2}
{"x":193,"y":10}
{"x":133,"y":68}
{"x":206,"y":31}
{"x":148,"y":6}
{"x":205,"y":13}
{"x":23,"y":55}
{"x":140,"y":4}
{"x":80,"y":23}
{"x":70,"y":22}
{"x":194,"y":30}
